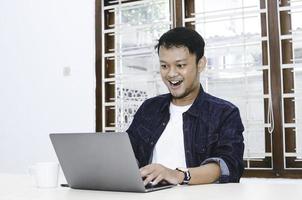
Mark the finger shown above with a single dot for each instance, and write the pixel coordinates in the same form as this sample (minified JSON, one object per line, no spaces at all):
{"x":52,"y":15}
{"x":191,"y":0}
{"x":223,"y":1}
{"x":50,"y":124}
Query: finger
{"x":149,"y":178}
{"x":146,"y":170}
{"x":158,"y":179}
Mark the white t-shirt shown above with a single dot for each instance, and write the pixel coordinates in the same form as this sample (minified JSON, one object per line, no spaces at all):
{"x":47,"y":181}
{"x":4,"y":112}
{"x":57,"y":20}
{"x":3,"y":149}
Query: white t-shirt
{"x":169,"y":149}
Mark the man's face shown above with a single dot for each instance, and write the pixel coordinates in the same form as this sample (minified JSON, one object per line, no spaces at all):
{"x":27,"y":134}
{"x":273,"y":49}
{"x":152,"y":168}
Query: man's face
{"x":180,"y":73}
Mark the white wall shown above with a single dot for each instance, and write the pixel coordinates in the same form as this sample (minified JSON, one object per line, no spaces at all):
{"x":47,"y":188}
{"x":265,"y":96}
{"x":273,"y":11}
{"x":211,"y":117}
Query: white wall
{"x":38,"y":38}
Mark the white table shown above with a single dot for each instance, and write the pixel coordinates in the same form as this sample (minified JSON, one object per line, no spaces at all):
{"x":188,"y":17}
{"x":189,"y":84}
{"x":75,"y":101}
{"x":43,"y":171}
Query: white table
{"x":20,"y":187}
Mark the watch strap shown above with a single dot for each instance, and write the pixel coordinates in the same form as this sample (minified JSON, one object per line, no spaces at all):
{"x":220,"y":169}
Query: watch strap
{"x":187,"y":176}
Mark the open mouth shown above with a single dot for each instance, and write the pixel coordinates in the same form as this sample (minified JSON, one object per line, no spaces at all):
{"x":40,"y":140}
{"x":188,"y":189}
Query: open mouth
{"x":175,"y":83}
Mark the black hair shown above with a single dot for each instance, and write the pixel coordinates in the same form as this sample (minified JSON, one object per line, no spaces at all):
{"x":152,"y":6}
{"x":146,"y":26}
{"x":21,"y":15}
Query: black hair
{"x":183,"y":37}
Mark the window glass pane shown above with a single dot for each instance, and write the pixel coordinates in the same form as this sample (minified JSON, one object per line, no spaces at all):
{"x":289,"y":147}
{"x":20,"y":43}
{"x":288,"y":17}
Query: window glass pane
{"x":232,"y":32}
{"x":216,"y":5}
{"x":296,"y":14}
{"x":137,"y":27}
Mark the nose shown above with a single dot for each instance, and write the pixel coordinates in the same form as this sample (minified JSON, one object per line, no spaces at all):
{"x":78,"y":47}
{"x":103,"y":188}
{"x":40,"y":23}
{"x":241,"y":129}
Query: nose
{"x":172,"y":72}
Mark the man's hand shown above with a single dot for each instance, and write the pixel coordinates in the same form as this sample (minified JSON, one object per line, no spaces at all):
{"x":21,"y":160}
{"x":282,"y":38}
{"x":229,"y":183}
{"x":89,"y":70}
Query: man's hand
{"x":158,"y":172}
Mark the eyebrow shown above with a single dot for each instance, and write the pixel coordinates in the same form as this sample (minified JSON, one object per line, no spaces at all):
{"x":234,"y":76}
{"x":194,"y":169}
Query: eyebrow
{"x":180,"y":60}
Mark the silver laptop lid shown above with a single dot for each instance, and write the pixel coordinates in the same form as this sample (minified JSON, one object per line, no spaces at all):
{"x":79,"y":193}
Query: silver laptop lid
{"x":101,"y":161}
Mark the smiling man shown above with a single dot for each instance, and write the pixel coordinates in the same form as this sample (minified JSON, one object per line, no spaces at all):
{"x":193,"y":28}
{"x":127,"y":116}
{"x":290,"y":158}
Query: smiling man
{"x":186,"y":136}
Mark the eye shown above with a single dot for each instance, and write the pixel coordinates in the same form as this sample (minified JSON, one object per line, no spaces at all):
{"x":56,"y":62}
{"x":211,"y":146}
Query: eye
{"x":180,"y":65}
{"x":163,"y":66}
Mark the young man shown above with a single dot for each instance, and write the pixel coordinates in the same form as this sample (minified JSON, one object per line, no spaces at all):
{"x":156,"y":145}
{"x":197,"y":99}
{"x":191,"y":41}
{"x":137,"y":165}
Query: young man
{"x":186,"y":136}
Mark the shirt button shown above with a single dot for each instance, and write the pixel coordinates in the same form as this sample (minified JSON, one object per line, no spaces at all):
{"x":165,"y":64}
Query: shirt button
{"x":152,"y":143}
{"x":164,"y":124}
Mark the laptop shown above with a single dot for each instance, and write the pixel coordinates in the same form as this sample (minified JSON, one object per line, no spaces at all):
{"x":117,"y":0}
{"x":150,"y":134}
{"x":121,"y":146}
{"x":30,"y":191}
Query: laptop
{"x":100,"y":161}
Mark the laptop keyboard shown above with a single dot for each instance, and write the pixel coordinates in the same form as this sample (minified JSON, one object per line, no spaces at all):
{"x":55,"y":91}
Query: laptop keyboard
{"x":159,"y":185}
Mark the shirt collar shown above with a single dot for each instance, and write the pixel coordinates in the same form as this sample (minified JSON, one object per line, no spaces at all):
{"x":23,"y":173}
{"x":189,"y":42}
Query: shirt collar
{"x":166,"y":103}
{"x":195,"y":108}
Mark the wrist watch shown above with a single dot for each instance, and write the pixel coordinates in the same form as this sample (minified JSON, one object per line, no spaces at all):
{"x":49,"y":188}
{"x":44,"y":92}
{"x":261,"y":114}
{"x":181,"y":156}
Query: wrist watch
{"x":187,"y":174}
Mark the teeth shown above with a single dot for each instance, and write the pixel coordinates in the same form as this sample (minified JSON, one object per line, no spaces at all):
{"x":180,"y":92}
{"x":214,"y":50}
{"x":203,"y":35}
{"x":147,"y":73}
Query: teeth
{"x":174,"y":82}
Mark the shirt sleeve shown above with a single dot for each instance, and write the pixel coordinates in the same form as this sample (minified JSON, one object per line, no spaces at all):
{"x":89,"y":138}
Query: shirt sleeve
{"x":224,"y":170}
{"x":228,"y":144}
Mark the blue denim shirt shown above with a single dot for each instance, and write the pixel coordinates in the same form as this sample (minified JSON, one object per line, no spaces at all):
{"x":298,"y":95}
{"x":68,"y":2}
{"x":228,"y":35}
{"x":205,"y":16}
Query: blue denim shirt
{"x":212,"y":130}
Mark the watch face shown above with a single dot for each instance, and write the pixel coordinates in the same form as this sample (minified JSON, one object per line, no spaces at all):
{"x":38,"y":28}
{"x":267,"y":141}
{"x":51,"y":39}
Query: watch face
{"x":187,"y":174}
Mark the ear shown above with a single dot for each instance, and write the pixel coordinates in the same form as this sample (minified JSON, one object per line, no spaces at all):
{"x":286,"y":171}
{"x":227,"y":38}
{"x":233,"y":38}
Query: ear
{"x":201,"y":64}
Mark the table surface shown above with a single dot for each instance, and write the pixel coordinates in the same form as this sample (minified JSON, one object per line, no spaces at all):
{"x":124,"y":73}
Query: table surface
{"x":20,"y":187}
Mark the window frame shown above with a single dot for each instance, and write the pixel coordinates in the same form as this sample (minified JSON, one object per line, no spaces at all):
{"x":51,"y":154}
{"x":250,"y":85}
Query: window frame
{"x":179,"y":10}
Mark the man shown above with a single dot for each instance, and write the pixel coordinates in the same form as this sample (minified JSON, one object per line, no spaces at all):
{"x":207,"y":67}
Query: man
{"x":186,"y":136}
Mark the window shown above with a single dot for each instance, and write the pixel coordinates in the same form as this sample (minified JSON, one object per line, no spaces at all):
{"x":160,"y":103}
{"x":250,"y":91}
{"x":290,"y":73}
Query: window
{"x":130,"y":74}
{"x":254,"y":53}
{"x":232,"y":32}
{"x":290,"y":13}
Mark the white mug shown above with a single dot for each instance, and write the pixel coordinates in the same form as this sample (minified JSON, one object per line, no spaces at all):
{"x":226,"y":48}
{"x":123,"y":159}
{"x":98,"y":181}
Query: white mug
{"x":45,"y":174}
